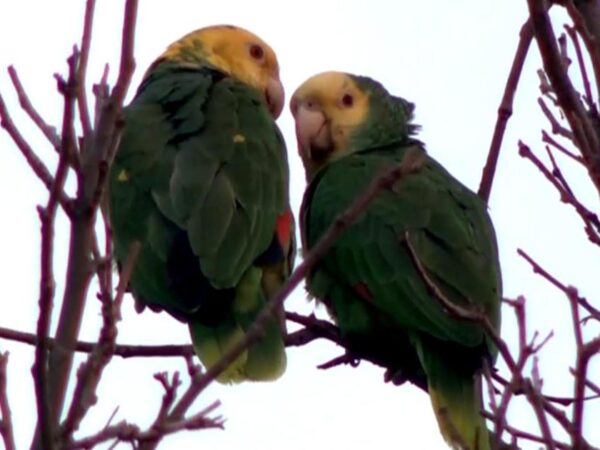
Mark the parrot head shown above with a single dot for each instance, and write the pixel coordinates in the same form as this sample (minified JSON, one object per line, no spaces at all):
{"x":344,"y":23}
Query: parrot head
{"x":338,"y":113}
{"x":237,"y":52}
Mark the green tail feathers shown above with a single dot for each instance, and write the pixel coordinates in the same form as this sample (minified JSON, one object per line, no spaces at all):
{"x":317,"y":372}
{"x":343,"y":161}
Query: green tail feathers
{"x":455,"y":393}
{"x":456,"y":401}
{"x":265,"y":359}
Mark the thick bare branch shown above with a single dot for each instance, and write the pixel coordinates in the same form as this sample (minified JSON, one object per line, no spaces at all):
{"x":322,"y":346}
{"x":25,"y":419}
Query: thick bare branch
{"x":79,"y":268}
{"x":47,"y":283}
{"x":586,"y":17}
{"x":585,"y":353}
{"x":584,"y":134}
{"x":90,"y":373}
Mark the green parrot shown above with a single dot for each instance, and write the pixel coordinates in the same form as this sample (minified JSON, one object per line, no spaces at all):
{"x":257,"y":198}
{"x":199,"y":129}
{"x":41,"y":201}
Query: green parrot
{"x":200,"y":179}
{"x":427,"y":226}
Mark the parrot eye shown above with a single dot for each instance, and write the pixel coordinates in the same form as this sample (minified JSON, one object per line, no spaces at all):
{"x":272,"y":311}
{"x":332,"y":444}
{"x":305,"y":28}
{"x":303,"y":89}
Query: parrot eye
{"x":310,"y":104}
{"x":347,"y":100}
{"x":256,"y":51}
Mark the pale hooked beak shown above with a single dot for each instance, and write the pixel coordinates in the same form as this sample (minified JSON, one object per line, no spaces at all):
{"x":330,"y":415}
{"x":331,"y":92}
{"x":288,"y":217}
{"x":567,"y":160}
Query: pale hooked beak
{"x":312,"y":131}
{"x":275,"y":96}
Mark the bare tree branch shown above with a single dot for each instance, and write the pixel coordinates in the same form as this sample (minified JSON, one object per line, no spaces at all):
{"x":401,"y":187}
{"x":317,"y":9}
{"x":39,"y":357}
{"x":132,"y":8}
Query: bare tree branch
{"x":79,"y":270}
{"x":538,"y":269}
{"x":6,"y":425}
{"x":586,"y":17}
{"x":90,"y":373}
{"x":590,"y":220}
{"x":36,"y":118}
{"x":584,"y":134}
{"x":554,"y":143}
{"x":126,"y":432}
{"x":86,"y":39}
{"x":587,"y":88}
{"x":36,"y":164}
{"x":47,"y":283}
{"x":505,"y":111}
{"x":585,"y":353}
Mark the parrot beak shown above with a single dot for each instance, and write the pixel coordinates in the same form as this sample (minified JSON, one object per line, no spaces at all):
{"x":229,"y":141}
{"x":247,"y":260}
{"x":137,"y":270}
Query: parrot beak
{"x":312,"y":131}
{"x":274,"y":96}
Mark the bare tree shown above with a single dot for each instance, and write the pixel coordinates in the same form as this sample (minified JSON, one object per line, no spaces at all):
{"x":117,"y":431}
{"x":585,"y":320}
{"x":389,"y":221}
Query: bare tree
{"x":574,"y":131}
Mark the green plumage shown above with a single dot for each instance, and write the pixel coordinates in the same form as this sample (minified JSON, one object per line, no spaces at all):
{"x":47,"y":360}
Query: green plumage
{"x":369,"y":279}
{"x":199,"y":178}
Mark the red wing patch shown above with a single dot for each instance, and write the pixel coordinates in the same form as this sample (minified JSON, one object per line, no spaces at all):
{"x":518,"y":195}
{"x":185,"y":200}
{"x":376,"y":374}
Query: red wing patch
{"x":363,"y":292}
{"x":283,"y":226}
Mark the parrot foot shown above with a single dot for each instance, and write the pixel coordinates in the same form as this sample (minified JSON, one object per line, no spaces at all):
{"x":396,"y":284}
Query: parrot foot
{"x":396,"y":377}
{"x":346,"y":358}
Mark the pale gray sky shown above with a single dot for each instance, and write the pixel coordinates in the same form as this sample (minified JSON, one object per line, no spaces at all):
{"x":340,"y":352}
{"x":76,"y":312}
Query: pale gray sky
{"x":451,"y":59}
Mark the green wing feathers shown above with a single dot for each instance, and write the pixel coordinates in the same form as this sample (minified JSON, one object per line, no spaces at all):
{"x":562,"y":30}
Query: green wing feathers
{"x":377,"y":295}
{"x":200,"y":178}
{"x":452,"y":238}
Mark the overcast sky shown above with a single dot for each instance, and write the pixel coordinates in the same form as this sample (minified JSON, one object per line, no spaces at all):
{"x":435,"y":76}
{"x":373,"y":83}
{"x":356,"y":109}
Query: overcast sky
{"x":451,"y":59}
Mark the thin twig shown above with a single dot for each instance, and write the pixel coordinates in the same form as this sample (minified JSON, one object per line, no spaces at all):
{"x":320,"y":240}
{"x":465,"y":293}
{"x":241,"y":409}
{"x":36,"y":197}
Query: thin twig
{"x":535,"y":398}
{"x":86,"y":39}
{"x":556,"y":172}
{"x":590,"y":220}
{"x":505,"y":111}
{"x":296,"y":339}
{"x":525,"y":435}
{"x":36,"y":164}
{"x":555,"y":125}
{"x":516,"y":380}
{"x":126,"y":432}
{"x":170,"y":387}
{"x":110,"y":124}
{"x":592,"y":386}
{"x":125,"y":274}
{"x":586,"y":17}
{"x":538,"y":269}
{"x":588,"y":97}
{"x":550,"y":140}
{"x":36,"y":118}
{"x":6,"y":425}
{"x":124,"y":351}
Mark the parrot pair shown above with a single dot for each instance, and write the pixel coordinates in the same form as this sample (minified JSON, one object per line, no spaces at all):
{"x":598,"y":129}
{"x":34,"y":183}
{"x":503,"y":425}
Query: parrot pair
{"x":200,"y":179}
